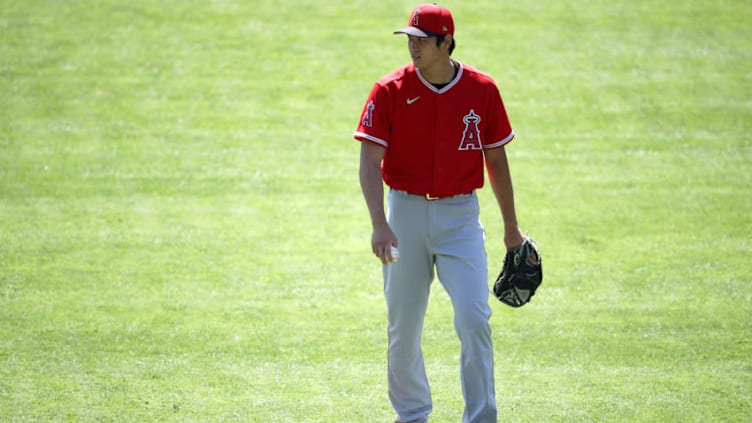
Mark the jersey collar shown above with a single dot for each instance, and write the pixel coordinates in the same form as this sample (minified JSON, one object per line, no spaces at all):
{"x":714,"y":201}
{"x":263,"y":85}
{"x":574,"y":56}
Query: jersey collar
{"x":449,"y":86}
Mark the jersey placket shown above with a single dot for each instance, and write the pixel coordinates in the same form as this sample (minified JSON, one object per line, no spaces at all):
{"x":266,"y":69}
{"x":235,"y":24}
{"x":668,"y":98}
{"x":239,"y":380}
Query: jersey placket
{"x":441,"y":160}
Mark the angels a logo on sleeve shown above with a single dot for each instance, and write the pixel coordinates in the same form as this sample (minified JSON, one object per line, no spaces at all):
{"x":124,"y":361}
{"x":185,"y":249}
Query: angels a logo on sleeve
{"x":471,"y":136}
{"x":368,"y":115}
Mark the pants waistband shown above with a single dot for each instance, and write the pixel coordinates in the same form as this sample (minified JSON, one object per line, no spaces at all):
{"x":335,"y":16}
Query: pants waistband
{"x":429,"y":197}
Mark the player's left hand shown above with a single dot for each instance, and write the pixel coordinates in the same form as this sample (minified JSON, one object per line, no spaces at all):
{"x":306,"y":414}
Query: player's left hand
{"x":513,"y":238}
{"x":520,"y":276}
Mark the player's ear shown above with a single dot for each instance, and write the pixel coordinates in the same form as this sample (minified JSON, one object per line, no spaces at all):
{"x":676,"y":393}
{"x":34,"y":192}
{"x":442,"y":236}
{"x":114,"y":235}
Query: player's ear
{"x":449,"y":43}
{"x":448,"y":40}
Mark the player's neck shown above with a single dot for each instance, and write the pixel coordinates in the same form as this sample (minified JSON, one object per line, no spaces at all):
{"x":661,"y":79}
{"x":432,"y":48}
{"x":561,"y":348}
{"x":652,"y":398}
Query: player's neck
{"x":442,"y":72}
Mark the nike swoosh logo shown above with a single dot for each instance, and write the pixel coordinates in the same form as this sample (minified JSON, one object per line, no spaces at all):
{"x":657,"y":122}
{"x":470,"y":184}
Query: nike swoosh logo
{"x":413,"y":100}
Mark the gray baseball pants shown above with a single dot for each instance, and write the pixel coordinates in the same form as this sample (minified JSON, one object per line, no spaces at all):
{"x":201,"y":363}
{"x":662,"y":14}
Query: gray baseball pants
{"x":445,"y":235}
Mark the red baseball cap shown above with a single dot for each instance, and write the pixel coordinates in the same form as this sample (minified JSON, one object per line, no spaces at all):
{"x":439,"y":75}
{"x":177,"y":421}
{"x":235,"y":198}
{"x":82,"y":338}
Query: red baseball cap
{"x":428,"y":20}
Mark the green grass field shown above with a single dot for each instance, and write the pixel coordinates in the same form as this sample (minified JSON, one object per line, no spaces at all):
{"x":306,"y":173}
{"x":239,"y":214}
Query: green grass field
{"x":183,"y":237}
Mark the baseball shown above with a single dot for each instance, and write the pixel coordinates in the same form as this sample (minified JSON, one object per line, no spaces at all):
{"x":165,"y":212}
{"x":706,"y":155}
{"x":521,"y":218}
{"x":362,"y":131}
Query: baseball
{"x":395,"y":253}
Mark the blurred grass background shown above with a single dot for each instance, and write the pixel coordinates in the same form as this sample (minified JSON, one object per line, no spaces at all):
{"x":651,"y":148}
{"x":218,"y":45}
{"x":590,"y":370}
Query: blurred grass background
{"x":183,"y":236}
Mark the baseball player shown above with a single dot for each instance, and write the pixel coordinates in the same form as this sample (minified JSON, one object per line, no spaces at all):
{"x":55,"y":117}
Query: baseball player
{"x":426,"y":130}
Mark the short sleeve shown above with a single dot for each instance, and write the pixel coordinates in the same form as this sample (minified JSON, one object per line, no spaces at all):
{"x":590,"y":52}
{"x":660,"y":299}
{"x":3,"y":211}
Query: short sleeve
{"x":499,"y":130}
{"x":375,"y":121}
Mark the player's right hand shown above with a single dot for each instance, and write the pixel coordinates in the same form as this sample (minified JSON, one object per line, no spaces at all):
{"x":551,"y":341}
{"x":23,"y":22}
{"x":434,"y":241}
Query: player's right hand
{"x":382,"y":240}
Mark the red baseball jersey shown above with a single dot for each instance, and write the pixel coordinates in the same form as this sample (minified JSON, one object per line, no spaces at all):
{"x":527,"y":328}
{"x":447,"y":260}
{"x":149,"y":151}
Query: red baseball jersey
{"x":434,"y":138}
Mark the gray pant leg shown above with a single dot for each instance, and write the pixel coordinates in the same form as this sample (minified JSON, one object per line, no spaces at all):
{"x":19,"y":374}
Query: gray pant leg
{"x":406,"y":287}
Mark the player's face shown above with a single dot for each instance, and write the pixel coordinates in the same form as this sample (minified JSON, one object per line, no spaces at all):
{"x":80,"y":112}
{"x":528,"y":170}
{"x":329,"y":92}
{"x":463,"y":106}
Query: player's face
{"x":423,"y":51}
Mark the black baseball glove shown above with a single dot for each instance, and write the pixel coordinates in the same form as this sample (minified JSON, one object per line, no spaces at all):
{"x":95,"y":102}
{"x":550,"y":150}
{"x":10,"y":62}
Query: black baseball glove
{"x":521,"y":275}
